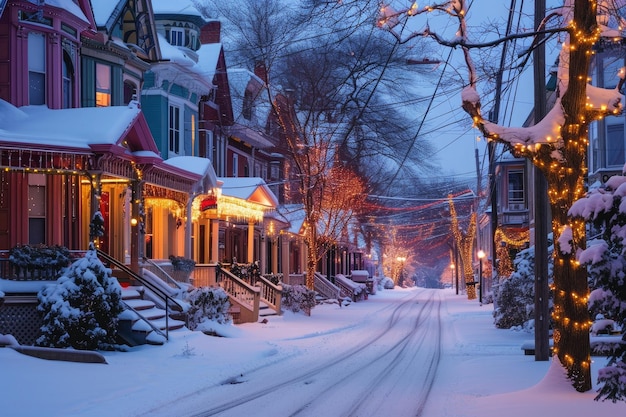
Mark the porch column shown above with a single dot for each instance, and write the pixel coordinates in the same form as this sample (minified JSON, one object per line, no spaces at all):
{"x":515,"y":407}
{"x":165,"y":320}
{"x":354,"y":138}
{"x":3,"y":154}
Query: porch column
{"x":215,"y":238}
{"x":250,"y":258}
{"x":136,"y":225}
{"x":303,"y":255}
{"x":188,"y":228}
{"x":96,"y":192}
{"x":274,"y":256}
{"x":284,"y":249}
{"x":263,"y":260}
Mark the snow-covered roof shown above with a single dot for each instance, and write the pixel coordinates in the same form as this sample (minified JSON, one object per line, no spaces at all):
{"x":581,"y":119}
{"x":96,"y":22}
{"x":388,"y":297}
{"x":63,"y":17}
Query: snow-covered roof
{"x":185,"y":7}
{"x":77,"y":127}
{"x":240,"y":80}
{"x":196,"y":165}
{"x":252,"y":189}
{"x":174,"y":54}
{"x":295,"y":215}
{"x":208,"y":56}
{"x":102,"y":10}
{"x":71,"y":7}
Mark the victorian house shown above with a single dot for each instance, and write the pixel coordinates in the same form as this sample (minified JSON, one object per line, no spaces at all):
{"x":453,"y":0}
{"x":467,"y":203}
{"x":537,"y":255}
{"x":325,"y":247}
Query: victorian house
{"x":72,"y":76}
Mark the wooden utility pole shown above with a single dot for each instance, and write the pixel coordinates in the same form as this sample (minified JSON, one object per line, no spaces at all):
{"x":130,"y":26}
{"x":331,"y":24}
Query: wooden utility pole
{"x":542,"y":319}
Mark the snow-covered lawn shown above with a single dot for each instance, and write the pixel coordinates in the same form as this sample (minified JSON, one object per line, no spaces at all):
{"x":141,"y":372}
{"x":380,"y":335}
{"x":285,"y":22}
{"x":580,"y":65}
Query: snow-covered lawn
{"x":482,"y":372}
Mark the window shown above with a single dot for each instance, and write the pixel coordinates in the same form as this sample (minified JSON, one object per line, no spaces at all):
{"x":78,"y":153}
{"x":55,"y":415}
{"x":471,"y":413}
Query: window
{"x":247,"y":108}
{"x":235,"y":164}
{"x":611,"y":67}
{"x":615,"y":145}
{"x":36,"y":209}
{"x":177,"y":37}
{"x":516,"y":189}
{"x":130,"y":91}
{"x":36,"y":68}
{"x":174,"y":130}
{"x":68,"y":81}
{"x":103,"y":85}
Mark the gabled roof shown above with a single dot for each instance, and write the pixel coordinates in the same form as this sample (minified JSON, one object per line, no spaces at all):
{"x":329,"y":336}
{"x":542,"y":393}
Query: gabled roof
{"x":108,"y":14}
{"x":295,"y":215}
{"x":251,"y":189}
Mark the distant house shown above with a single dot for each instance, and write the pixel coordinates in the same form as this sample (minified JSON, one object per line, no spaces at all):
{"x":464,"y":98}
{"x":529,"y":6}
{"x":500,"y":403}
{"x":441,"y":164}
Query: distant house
{"x":607,"y":138}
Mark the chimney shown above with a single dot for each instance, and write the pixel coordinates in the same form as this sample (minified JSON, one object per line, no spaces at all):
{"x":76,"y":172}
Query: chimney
{"x":210,"y":33}
{"x":260,"y":70}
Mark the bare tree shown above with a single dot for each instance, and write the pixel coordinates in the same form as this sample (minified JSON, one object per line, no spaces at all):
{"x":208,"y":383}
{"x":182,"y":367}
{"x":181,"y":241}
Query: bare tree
{"x":341,"y":92}
{"x":557,"y":145}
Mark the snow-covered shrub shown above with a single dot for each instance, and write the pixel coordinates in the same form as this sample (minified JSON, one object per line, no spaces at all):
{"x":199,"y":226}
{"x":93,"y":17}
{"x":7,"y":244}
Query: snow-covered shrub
{"x":180,"y":263}
{"x":208,"y":304}
{"x":515,"y":296}
{"x":39,"y":256}
{"x":81,"y":310}
{"x":605,"y":209}
{"x":386,"y":283}
{"x":298,"y":298}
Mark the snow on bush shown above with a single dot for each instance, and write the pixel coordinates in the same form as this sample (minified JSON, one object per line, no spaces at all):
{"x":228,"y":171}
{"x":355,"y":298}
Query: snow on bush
{"x":208,"y":304}
{"x":298,"y":298}
{"x":39,"y":256}
{"x":386,"y":283}
{"x":515,"y":296}
{"x":605,"y":209}
{"x":81,"y":310}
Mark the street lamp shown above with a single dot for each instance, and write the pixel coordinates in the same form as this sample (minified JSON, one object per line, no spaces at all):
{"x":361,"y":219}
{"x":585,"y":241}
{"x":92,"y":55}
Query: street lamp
{"x":401,"y":260}
{"x":452,"y":266}
{"x":481,"y":255}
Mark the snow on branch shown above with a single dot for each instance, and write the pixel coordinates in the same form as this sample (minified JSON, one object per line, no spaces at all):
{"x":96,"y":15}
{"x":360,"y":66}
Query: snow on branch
{"x":525,"y":140}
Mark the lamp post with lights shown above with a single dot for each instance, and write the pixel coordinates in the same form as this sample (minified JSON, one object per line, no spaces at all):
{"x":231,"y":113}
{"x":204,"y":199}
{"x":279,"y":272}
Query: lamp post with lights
{"x":481,"y":255}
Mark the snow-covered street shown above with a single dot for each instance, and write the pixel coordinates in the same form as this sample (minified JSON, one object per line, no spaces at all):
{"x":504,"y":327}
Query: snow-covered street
{"x":384,"y":364}
{"x":377,"y":357}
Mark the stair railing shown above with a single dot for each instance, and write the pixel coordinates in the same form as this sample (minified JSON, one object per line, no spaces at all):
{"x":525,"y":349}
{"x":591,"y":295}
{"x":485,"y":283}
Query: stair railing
{"x":326,"y":288}
{"x":147,"y":321}
{"x":245,"y":294}
{"x":271,"y":294}
{"x":162,"y":274}
{"x":155,"y":289}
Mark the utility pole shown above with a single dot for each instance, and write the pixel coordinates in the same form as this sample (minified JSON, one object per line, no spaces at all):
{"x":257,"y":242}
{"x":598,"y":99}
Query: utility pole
{"x":542,"y":320}
{"x":491,"y":147}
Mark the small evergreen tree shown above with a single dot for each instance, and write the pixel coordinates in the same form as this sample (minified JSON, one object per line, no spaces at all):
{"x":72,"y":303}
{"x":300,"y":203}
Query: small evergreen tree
{"x":81,"y":309}
{"x":515,"y":296}
{"x":96,"y":227}
{"x":604,"y":257}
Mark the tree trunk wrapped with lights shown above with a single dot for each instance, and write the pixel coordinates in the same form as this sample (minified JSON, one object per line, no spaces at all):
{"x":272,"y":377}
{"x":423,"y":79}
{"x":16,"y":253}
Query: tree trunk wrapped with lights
{"x":465,"y":243}
{"x":557,"y":145}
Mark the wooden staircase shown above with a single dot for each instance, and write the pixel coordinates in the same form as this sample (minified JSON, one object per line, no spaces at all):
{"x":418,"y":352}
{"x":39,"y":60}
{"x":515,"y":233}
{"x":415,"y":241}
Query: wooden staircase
{"x":143,"y":322}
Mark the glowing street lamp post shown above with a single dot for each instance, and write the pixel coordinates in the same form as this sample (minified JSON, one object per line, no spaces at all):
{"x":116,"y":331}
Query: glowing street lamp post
{"x":481,"y":255}
{"x":452,"y":266}
{"x":401,"y":260}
